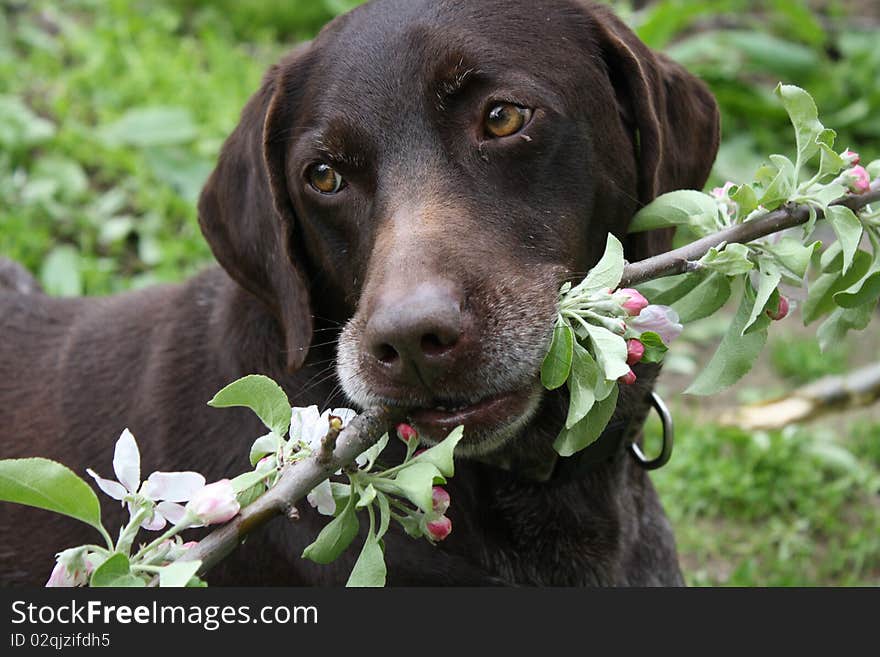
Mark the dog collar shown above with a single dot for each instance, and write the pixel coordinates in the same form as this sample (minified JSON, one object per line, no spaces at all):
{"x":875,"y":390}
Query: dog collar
{"x":550,"y":469}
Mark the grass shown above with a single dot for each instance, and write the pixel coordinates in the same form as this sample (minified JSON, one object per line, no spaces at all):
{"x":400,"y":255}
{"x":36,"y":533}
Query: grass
{"x":112,"y":114}
{"x":792,"y":507}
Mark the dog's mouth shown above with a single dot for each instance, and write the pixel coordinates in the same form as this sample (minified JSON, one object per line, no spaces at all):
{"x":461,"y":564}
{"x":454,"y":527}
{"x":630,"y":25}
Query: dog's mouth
{"x":487,"y":422}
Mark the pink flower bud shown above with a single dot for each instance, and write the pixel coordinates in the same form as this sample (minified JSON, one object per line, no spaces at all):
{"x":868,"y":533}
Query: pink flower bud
{"x":405,"y":432}
{"x":440,"y":528}
{"x":856,"y":179}
{"x":634,"y":351}
{"x":440,"y":499}
{"x":635,"y":302}
{"x":721,"y":192}
{"x":862,"y":181}
{"x":61,"y":577}
{"x":781,"y":310}
{"x":215,"y":503}
{"x":851,"y":157}
{"x":628,"y":379}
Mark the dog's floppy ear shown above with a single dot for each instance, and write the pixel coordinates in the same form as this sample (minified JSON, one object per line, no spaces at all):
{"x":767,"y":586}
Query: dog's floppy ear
{"x":245,"y":210}
{"x":671,"y":114}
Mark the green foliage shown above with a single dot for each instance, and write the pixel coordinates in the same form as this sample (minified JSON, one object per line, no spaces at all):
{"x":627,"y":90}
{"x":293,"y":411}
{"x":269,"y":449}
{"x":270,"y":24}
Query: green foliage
{"x":800,"y":360}
{"x":742,"y":47}
{"x":44,"y":484}
{"x":115,"y":572}
{"x":263,"y":396}
{"x":335,"y":537}
{"x":791,"y":507}
{"x":112,"y":115}
{"x":178,"y":574}
{"x":734,"y":356}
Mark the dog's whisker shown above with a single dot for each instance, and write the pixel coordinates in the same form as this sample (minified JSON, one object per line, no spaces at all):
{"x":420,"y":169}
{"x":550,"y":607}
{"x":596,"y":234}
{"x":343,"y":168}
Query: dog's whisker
{"x":309,"y":388}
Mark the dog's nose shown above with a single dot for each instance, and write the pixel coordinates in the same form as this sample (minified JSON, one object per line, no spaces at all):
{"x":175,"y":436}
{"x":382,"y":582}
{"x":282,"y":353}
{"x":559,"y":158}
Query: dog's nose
{"x":416,"y":333}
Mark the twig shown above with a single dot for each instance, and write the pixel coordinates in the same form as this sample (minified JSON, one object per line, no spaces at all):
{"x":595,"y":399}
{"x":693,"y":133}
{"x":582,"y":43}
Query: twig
{"x":294,"y":484}
{"x":679,"y":260}
{"x":328,"y":442}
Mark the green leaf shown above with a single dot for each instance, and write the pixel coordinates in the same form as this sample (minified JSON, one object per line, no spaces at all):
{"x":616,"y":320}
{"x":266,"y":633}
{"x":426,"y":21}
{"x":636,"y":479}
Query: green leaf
{"x":178,"y":574}
{"x":609,"y":350}
{"x":115,"y":572}
{"x":373,"y":453}
{"x":151,"y":126}
{"x":873,"y":169}
{"x":863,"y":291}
{"x":588,"y":430}
{"x":730,"y":259}
{"x":341,"y":493}
{"x":585,"y":375}
{"x":685,"y":207}
{"x":607,"y":272}
{"x":264,"y":446}
{"x":416,"y":483}
{"x":848,"y":229}
{"x":250,"y":495}
{"x":705,"y":299}
{"x":735,"y":355}
{"x":369,"y":569}
{"x":61,"y":272}
{"x":827,"y":193}
{"x":745,"y":199}
{"x":820,"y":298}
{"x":366,"y":497}
{"x":783,"y":184}
{"x":830,"y":163}
{"x":441,"y":455}
{"x":769,"y":278}
{"x":45,"y":484}
{"x":335,"y":537}
{"x":832,"y":258}
{"x":260,"y":394}
{"x":557,"y":363}
{"x":666,"y":291}
{"x":804,"y":117}
{"x":833,"y":330}
{"x":793,"y":255}
{"x":655,"y":349}
{"x":384,"y":514}
{"x":247,"y":480}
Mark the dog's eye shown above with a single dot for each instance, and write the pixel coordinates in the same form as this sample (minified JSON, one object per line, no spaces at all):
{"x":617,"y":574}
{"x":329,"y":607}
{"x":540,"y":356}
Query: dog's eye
{"x":325,"y":179}
{"x":506,"y":119}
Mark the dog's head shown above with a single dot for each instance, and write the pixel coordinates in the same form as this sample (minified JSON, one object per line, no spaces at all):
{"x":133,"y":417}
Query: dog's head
{"x":430,"y":172}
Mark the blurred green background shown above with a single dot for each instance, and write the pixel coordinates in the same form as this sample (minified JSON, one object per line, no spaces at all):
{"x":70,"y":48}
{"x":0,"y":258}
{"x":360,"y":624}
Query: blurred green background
{"x":112,"y":113}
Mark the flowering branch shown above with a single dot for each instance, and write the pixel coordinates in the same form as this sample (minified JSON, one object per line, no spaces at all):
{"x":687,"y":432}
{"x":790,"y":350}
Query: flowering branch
{"x":684,"y":259}
{"x":296,"y":480}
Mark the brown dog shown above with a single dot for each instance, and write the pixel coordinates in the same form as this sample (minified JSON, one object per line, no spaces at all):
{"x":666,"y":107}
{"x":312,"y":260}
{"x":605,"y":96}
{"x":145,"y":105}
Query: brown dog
{"x":414,"y":183}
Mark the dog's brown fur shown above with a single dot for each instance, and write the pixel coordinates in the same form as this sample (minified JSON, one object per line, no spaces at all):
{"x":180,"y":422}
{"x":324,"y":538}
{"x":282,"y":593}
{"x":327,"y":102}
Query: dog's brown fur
{"x":391,"y":92}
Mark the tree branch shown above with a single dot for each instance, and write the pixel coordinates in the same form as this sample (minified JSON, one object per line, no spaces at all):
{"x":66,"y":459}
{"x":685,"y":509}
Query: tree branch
{"x":296,"y":481}
{"x":827,"y":395}
{"x":681,"y":260}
